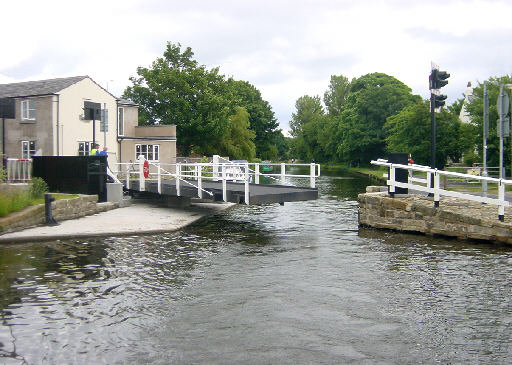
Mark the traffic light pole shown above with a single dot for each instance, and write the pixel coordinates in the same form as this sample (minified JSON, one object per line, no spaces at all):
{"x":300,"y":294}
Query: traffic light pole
{"x":432,"y":133}
{"x":500,"y":131}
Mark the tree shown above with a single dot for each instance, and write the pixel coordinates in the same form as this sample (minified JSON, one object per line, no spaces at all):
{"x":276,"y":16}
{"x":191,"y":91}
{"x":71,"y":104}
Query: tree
{"x":409,"y":132}
{"x":372,"y":98}
{"x":307,"y":126}
{"x":176,"y":90}
{"x":238,"y":143}
{"x":261,"y":118}
{"x":336,"y":96}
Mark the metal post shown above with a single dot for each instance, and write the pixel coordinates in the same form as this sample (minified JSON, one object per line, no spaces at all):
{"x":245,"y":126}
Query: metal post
{"x":283,"y":173}
{"x":178,"y":177}
{"x":436,"y":188}
{"x":486,"y":130}
{"x":224,"y":183}
{"x":246,"y":184}
{"x":142,"y":179}
{"x":391,"y":180}
{"x":257,"y":173}
{"x":199,"y":182}
{"x":432,"y":132}
{"x":159,"y":174}
{"x":128,"y":176}
{"x":500,"y":131}
{"x":312,"y":175}
{"x":501,"y":197}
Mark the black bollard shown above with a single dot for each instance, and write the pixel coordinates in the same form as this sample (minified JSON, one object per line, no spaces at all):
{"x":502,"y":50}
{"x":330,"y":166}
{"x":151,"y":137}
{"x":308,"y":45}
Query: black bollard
{"x":48,"y":198}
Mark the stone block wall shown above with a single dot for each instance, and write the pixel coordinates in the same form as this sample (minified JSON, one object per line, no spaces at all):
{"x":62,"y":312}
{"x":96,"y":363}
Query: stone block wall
{"x":458,"y":218}
{"x":61,"y":210}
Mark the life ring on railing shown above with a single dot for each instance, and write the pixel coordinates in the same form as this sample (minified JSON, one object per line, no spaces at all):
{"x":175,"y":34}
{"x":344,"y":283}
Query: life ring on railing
{"x":145,"y":169}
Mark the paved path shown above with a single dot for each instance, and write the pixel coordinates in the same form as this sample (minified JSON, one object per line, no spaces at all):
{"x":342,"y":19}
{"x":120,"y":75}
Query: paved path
{"x":138,"y":218}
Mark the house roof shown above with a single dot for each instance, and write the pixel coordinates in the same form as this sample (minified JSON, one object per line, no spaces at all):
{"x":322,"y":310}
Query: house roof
{"x":127,"y":102}
{"x":40,"y":87}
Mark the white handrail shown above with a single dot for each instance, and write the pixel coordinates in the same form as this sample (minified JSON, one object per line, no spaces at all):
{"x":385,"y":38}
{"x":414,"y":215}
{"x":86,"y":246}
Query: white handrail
{"x":433,"y":186}
{"x":232,"y":171}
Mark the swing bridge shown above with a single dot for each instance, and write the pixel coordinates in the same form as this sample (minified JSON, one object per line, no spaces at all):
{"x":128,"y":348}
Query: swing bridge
{"x":221,"y":180}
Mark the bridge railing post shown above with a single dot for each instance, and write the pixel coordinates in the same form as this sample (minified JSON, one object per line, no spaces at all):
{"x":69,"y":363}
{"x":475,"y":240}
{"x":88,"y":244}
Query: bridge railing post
{"x":257,"y":173}
{"x":142,"y":180}
{"x":224,"y":183}
{"x":283,"y":173}
{"x":501,"y":197}
{"x":159,"y":174}
{"x":127,"y":171}
{"x":436,"y":188}
{"x":312,"y":174}
{"x":246,"y":184}
{"x":178,"y":178}
{"x":199,"y":181}
{"x":391,"y":180}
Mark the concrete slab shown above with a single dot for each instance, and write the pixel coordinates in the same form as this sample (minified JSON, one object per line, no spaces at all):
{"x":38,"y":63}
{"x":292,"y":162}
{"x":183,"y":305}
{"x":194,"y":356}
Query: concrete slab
{"x":138,"y":218}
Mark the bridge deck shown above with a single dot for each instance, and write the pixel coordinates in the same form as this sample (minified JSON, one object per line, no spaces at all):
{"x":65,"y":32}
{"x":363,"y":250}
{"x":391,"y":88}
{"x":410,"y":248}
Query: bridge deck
{"x":258,"y":194}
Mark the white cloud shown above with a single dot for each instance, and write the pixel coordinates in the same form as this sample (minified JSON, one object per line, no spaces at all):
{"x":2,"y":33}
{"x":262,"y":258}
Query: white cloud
{"x":285,"y":48}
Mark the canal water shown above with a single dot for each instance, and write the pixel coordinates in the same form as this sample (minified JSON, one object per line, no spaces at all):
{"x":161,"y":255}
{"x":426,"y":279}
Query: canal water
{"x":292,"y":284}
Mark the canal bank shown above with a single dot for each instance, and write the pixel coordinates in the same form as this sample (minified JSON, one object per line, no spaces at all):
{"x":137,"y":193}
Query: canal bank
{"x":141,"y":217}
{"x":414,"y":213}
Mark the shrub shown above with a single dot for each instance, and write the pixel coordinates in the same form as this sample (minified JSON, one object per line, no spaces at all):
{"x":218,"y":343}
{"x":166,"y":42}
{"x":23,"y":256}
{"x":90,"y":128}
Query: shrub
{"x":3,"y":175}
{"x":38,"y":187}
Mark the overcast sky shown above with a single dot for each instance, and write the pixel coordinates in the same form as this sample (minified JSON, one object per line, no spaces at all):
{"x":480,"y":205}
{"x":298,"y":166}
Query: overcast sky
{"x":285,"y":48}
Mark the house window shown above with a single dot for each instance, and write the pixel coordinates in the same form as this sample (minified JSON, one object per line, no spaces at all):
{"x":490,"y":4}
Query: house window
{"x":28,"y":149}
{"x":84,"y":148}
{"x":28,"y":110}
{"x":120,"y":122}
{"x":151,"y":152}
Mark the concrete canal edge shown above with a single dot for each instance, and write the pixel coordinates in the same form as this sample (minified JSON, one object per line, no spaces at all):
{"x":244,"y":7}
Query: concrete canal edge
{"x":462,"y":219}
{"x":64,"y":209}
{"x":140,"y":217}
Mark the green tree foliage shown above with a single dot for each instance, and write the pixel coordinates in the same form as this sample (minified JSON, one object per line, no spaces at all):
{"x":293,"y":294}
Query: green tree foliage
{"x":409,"y":132}
{"x":336,"y":95}
{"x":176,"y":90}
{"x":238,"y":143}
{"x":261,"y":118}
{"x":307,"y":127}
{"x":476,"y":109}
{"x":372,"y":98}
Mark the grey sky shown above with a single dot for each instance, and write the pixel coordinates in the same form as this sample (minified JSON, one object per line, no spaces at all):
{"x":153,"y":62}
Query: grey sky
{"x":285,"y":48}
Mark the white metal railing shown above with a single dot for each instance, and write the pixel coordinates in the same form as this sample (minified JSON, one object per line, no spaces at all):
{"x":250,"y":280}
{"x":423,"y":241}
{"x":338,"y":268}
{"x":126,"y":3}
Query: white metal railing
{"x":431,"y":184}
{"x":215,"y":171}
{"x":19,"y":170}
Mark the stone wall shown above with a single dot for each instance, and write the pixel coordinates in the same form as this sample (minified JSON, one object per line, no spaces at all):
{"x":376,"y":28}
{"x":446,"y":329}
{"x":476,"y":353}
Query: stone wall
{"x":458,"y":218}
{"x":61,"y":210}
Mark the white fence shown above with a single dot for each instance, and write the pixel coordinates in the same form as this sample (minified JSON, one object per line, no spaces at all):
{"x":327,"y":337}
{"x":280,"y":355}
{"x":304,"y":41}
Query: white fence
{"x":19,"y":170}
{"x":245,"y":173}
{"x":431,"y":184}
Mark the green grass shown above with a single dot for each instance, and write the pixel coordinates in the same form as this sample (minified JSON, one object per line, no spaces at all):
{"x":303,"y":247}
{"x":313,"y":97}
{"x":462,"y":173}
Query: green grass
{"x":14,"y":202}
{"x":376,"y":172}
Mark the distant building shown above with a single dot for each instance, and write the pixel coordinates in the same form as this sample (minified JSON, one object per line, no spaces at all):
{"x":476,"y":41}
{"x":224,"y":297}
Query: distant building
{"x":49,"y":120}
{"x":468,"y":96}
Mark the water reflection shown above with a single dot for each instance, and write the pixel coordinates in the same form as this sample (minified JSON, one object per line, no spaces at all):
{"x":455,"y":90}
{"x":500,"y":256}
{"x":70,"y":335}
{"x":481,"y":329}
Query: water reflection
{"x":298,"y":283}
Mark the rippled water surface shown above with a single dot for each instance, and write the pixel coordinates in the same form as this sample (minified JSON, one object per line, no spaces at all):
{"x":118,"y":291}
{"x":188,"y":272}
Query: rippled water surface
{"x":291,"y":284}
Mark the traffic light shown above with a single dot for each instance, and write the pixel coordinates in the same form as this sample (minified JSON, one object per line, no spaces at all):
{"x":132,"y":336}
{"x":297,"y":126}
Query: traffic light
{"x":439,"y":100}
{"x":438,"y":79}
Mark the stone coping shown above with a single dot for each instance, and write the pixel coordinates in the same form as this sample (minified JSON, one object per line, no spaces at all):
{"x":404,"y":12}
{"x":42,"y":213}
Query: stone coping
{"x":463,"y":219}
{"x":62,"y":209}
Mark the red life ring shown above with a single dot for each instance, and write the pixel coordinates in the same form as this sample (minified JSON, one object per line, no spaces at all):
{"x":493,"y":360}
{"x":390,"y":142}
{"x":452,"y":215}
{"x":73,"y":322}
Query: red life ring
{"x":145,"y":169}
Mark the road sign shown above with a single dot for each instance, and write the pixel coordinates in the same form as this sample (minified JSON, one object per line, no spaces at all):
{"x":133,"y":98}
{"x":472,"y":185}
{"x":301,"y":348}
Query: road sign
{"x":503,"y":103}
